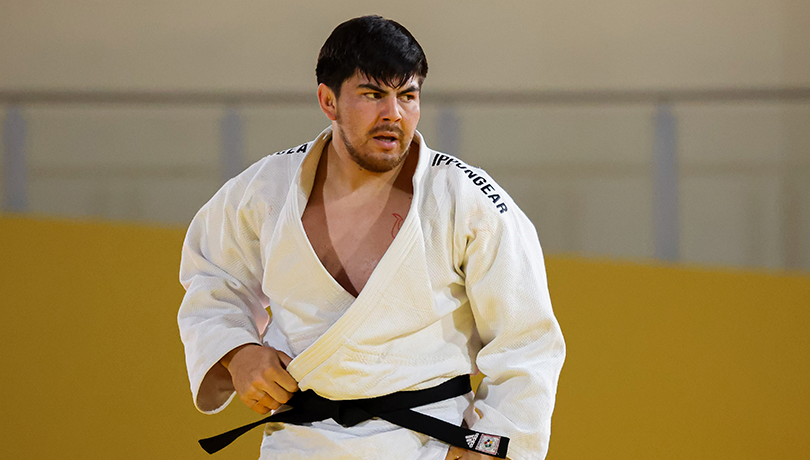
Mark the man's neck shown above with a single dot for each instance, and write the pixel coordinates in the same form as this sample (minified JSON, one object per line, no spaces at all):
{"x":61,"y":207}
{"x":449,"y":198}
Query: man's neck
{"x":343,"y":176}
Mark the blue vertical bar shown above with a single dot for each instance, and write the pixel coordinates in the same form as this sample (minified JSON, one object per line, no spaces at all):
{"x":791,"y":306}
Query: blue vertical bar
{"x":665,"y":183}
{"x":15,"y":176}
{"x":448,"y":132}
{"x":231,"y":157}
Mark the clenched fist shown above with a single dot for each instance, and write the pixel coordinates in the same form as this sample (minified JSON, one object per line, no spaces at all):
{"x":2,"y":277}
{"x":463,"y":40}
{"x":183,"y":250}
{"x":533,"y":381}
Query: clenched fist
{"x":260,"y":376}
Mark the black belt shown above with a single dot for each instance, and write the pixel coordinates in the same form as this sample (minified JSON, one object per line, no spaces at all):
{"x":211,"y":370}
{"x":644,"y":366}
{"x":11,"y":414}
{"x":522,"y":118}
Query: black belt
{"x":308,"y":407}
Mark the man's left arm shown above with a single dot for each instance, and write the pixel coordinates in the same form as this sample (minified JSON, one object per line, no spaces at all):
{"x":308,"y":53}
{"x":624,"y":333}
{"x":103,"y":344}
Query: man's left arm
{"x":523,"y":348}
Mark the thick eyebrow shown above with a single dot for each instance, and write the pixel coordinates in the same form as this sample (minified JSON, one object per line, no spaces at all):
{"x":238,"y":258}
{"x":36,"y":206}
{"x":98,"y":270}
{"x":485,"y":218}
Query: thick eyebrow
{"x":373,"y":87}
{"x":410,"y":89}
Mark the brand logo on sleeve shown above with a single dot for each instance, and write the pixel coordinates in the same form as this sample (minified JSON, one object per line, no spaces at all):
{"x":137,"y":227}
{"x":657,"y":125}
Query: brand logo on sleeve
{"x":476,"y":178}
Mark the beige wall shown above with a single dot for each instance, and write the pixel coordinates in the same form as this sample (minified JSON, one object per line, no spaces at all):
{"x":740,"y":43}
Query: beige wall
{"x":744,"y":169}
{"x":472,"y":44}
{"x":122,"y":162}
{"x":797,"y":35}
{"x":797,"y":127}
{"x":3,"y":110}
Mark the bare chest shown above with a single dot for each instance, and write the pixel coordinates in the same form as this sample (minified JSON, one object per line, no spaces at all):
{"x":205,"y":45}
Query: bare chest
{"x":350,"y":238}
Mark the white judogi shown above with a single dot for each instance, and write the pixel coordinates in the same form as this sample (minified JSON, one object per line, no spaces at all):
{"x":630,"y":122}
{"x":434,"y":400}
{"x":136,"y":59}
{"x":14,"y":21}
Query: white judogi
{"x":462,"y":287}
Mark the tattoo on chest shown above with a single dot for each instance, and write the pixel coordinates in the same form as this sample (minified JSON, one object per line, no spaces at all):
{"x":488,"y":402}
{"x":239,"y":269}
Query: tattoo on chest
{"x":397,"y":225}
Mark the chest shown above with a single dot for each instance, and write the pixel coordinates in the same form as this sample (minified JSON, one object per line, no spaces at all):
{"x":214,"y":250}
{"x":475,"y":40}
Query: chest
{"x":350,"y":237}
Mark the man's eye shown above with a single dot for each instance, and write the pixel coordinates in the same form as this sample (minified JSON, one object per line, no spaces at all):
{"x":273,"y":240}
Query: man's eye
{"x":373,"y":95}
{"x":408,"y":97}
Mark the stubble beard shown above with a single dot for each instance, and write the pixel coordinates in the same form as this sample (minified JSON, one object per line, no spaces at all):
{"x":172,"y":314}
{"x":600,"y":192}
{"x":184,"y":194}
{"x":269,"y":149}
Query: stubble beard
{"x":373,"y":163}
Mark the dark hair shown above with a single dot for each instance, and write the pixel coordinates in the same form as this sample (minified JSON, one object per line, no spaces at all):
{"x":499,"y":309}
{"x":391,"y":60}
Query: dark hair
{"x":381,"y":49}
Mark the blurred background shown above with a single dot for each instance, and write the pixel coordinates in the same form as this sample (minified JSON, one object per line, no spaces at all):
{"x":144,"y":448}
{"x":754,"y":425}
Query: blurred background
{"x":662,"y":149}
{"x":627,"y":128}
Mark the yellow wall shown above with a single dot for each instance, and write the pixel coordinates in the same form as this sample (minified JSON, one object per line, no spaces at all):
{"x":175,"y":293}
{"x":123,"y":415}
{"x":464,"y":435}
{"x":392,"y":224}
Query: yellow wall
{"x":679,"y":363}
{"x":93,"y":364}
{"x":664,"y":362}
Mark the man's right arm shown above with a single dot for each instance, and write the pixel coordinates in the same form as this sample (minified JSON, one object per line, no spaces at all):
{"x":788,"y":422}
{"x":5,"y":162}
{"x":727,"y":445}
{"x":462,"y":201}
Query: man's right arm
{"x":224,"y":306}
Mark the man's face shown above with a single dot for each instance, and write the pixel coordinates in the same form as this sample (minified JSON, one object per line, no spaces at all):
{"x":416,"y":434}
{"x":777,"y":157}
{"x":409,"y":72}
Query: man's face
{"x":376,"y":122}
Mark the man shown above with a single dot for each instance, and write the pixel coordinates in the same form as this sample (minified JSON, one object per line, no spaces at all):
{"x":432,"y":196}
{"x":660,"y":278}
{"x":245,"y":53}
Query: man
{"x":389,"y":269}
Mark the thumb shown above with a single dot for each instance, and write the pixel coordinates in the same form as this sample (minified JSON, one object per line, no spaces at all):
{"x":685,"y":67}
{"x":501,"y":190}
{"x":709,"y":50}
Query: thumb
{"x":285,"y":360}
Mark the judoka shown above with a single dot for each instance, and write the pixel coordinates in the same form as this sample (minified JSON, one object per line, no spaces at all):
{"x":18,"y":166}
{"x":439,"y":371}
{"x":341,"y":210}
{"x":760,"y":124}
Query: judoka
{"x":388,"y":269}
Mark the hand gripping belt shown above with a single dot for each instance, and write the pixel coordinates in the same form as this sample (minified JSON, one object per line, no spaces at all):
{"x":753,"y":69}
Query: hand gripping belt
{"x":307,"y":407}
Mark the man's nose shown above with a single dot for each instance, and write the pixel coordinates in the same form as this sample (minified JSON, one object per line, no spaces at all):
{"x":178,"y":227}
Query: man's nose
{"x":391,"y":111}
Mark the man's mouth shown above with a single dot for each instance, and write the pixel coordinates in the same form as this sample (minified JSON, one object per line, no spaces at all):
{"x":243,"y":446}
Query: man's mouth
{"x":387,"y":140}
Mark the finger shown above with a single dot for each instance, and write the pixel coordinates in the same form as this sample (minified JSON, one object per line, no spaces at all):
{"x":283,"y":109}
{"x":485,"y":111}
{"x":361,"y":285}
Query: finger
{"x":285,"y":360}
{"x":277,"y":392}
{"x":259,"y":409}
{"x":248,"y":401}
{"x":266,"y":404}
{"x":254,"y":405}
{"x":454,"y":453}
{"x":252,"y":395}
{"x":287,"y":382}
{"x":282,"y":378}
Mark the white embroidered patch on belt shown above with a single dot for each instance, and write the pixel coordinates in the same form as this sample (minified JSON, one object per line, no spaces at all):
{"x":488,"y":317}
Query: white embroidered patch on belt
{"x":488,"y":444}
{"x":471,"y":439}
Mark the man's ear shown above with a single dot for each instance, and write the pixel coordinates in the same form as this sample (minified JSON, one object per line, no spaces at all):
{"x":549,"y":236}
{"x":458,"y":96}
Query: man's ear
{"x":328,"y":101}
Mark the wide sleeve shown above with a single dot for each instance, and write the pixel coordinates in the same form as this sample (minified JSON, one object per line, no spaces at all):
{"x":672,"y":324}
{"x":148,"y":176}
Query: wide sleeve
{"x":224,"y":306}
{"x":523,"y":348}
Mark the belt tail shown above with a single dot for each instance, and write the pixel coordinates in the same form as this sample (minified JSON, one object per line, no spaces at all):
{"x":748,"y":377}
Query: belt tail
{"x":220,"y":441}
{"x":465,"y":438}
{"x":294,"y":416}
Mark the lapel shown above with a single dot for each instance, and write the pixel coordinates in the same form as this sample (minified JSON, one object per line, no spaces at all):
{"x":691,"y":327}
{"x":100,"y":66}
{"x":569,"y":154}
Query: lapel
{"x":320,"y":294}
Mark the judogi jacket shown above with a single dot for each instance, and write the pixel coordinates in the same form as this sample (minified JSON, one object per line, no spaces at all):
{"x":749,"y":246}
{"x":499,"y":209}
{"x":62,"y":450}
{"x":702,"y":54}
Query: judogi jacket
{"x":461,"y":289}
